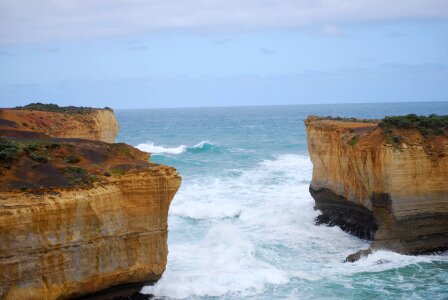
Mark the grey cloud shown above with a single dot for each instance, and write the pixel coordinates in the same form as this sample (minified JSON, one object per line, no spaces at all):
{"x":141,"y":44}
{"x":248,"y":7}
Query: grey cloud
{"x":24,"y":21}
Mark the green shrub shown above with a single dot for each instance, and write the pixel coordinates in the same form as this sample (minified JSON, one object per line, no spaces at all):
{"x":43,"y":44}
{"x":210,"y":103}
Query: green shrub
{"x":76,"y":170}
{"x":8,"y":150}
{"x":72,"y":159}
{"x":31,"y":147}
{"x":354,"y":140}
{"x":55,"y":108}
{"x":39,"y":158}
{"x":425,"y":124}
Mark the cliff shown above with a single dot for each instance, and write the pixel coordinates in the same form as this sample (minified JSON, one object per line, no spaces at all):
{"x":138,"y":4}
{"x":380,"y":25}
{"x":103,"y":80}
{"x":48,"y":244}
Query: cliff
{"x":385,"y":184}
{"x":80,"y":217}
{"x":85,"y":123}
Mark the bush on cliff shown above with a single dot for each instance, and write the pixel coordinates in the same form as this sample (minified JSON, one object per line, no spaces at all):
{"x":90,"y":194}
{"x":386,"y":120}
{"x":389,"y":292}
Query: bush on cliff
{"x":72,"y":159}
{"x":56,"y":108}
{"x":8,"y":150}
{"x":425,"y":124}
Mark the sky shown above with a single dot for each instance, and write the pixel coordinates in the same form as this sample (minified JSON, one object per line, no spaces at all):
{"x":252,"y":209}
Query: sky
{"x":195,"y":53}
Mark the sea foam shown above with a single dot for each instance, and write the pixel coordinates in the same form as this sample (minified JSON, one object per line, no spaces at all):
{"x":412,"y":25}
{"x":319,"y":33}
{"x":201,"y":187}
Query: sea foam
{"x":161,"y":150}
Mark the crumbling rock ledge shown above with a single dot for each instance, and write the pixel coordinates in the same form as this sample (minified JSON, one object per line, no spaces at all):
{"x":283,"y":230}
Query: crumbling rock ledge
{"x":394,"y":193}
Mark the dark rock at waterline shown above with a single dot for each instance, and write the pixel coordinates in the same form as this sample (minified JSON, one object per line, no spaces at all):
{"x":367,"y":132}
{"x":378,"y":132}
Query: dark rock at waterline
{"x":390,"y":186}
{"x":358,"y":255}
{"x":338,"y":211}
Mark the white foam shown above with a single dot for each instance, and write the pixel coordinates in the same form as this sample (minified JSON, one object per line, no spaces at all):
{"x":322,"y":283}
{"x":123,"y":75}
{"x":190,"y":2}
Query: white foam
{"x":222,"y":262}
{"x":254,"y":229}
{"x":153,"y":149}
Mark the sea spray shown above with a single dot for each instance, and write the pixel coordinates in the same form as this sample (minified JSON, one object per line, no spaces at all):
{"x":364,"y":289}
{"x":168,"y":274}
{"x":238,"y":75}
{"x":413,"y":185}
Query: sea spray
{"x":242,"y":224}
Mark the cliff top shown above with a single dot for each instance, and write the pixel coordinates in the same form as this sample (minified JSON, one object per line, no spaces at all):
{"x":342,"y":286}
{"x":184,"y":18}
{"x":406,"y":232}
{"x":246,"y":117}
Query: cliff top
{"x":50,"y":107}
{"x":52,"y":120}
{"x":30,"y":163}
{"x":431,"y":131}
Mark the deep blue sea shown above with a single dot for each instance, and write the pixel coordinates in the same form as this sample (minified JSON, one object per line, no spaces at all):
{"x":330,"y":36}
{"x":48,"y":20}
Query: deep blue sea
{"x":241,"y":225}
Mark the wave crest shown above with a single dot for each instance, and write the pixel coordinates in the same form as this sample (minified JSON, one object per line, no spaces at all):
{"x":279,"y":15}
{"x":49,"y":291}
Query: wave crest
{"x":202,"y":146}
{"x":153,"y":149}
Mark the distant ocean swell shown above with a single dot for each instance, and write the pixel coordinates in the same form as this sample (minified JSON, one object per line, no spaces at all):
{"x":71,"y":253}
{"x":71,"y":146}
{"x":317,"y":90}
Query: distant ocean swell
{"x":202,"y":146}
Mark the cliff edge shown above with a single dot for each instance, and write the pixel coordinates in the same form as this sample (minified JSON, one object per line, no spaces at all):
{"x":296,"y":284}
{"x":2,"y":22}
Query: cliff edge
{"x":386,"y":181}
{"x":60,"y":122}
{"x":79,"y":217}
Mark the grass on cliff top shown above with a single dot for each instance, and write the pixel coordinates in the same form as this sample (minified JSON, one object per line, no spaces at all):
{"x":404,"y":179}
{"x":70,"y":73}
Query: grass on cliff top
{"x":56,"y":108}
{"x":433,"y":123}
{"x":9,"y":150}
{"x":342,"y":119}
{"x":12,"y":150}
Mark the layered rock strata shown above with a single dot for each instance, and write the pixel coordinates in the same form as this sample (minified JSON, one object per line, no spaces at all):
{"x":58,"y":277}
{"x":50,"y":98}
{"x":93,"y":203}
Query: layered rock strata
{"x":80,"y":217}
{"x":91,"y":124}
{"x":63,"y":243}
{"x":392,"y":191}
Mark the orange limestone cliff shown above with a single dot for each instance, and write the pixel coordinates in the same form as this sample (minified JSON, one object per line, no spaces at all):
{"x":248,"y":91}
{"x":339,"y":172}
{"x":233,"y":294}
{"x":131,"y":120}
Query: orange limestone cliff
{"x":382,"y":181}
{"x":80,"y":217}
{"x":61,"y":122}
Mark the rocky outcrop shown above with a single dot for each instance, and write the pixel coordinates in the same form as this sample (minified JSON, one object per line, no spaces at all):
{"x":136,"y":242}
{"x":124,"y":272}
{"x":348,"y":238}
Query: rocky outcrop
{"x":70,"y":242}
{"x":388,"y":186}
{"x":87,"y":123}
{"x":80,"y":217}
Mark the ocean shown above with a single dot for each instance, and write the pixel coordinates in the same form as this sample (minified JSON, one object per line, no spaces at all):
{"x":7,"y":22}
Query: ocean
{"x":242,"y":224}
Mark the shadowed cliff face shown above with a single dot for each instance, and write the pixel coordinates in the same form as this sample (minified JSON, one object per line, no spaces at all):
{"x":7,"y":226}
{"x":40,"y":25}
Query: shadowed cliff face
{"x":93,"y":124}
{"x":394,"y":191}
{"x":79,"y":216}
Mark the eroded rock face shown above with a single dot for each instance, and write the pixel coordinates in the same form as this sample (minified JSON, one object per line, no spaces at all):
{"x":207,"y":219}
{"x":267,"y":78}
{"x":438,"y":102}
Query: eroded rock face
{"x":93,"y":124}
{"x":70,"y":242}
{"x":395,"y":194}
{"x":78,"y":216}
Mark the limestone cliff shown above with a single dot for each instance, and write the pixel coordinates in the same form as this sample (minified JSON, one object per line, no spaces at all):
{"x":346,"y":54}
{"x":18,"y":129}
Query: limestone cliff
{"x":79,"y":217}
{"x":389,"y":186}
{"x":65,"y":243}
{"x":86,"y":123}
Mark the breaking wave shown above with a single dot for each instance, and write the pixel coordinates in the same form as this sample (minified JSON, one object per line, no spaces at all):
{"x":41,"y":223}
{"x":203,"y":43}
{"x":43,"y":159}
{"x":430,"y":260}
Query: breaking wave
{"x":203,"y":146}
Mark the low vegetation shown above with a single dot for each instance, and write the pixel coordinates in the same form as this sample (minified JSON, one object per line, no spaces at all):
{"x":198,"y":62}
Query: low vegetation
{"x":354,"y":140}
{"x":432,"y":124}
{"x":56,"y":108}
{"x":342,"y":119}
{"x":9,"y":150}
{"x":72,"y":159}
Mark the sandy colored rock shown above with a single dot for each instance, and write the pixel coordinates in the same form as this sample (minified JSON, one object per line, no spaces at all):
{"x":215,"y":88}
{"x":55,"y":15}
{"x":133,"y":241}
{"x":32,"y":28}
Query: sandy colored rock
{"x":395,"y":194}
{"x":69,"y":242}
{"x":78,"y":215}
{"x":94,"y":124}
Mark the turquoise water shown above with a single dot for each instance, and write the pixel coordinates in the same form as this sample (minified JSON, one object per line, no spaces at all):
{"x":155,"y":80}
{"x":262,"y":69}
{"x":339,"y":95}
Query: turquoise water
{"x":241,"y":225}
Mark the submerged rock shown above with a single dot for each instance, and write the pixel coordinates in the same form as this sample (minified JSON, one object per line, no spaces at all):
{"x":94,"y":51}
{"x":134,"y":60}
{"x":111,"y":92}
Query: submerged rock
{"x":358,"y":255}
{"x":389,"y":185}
